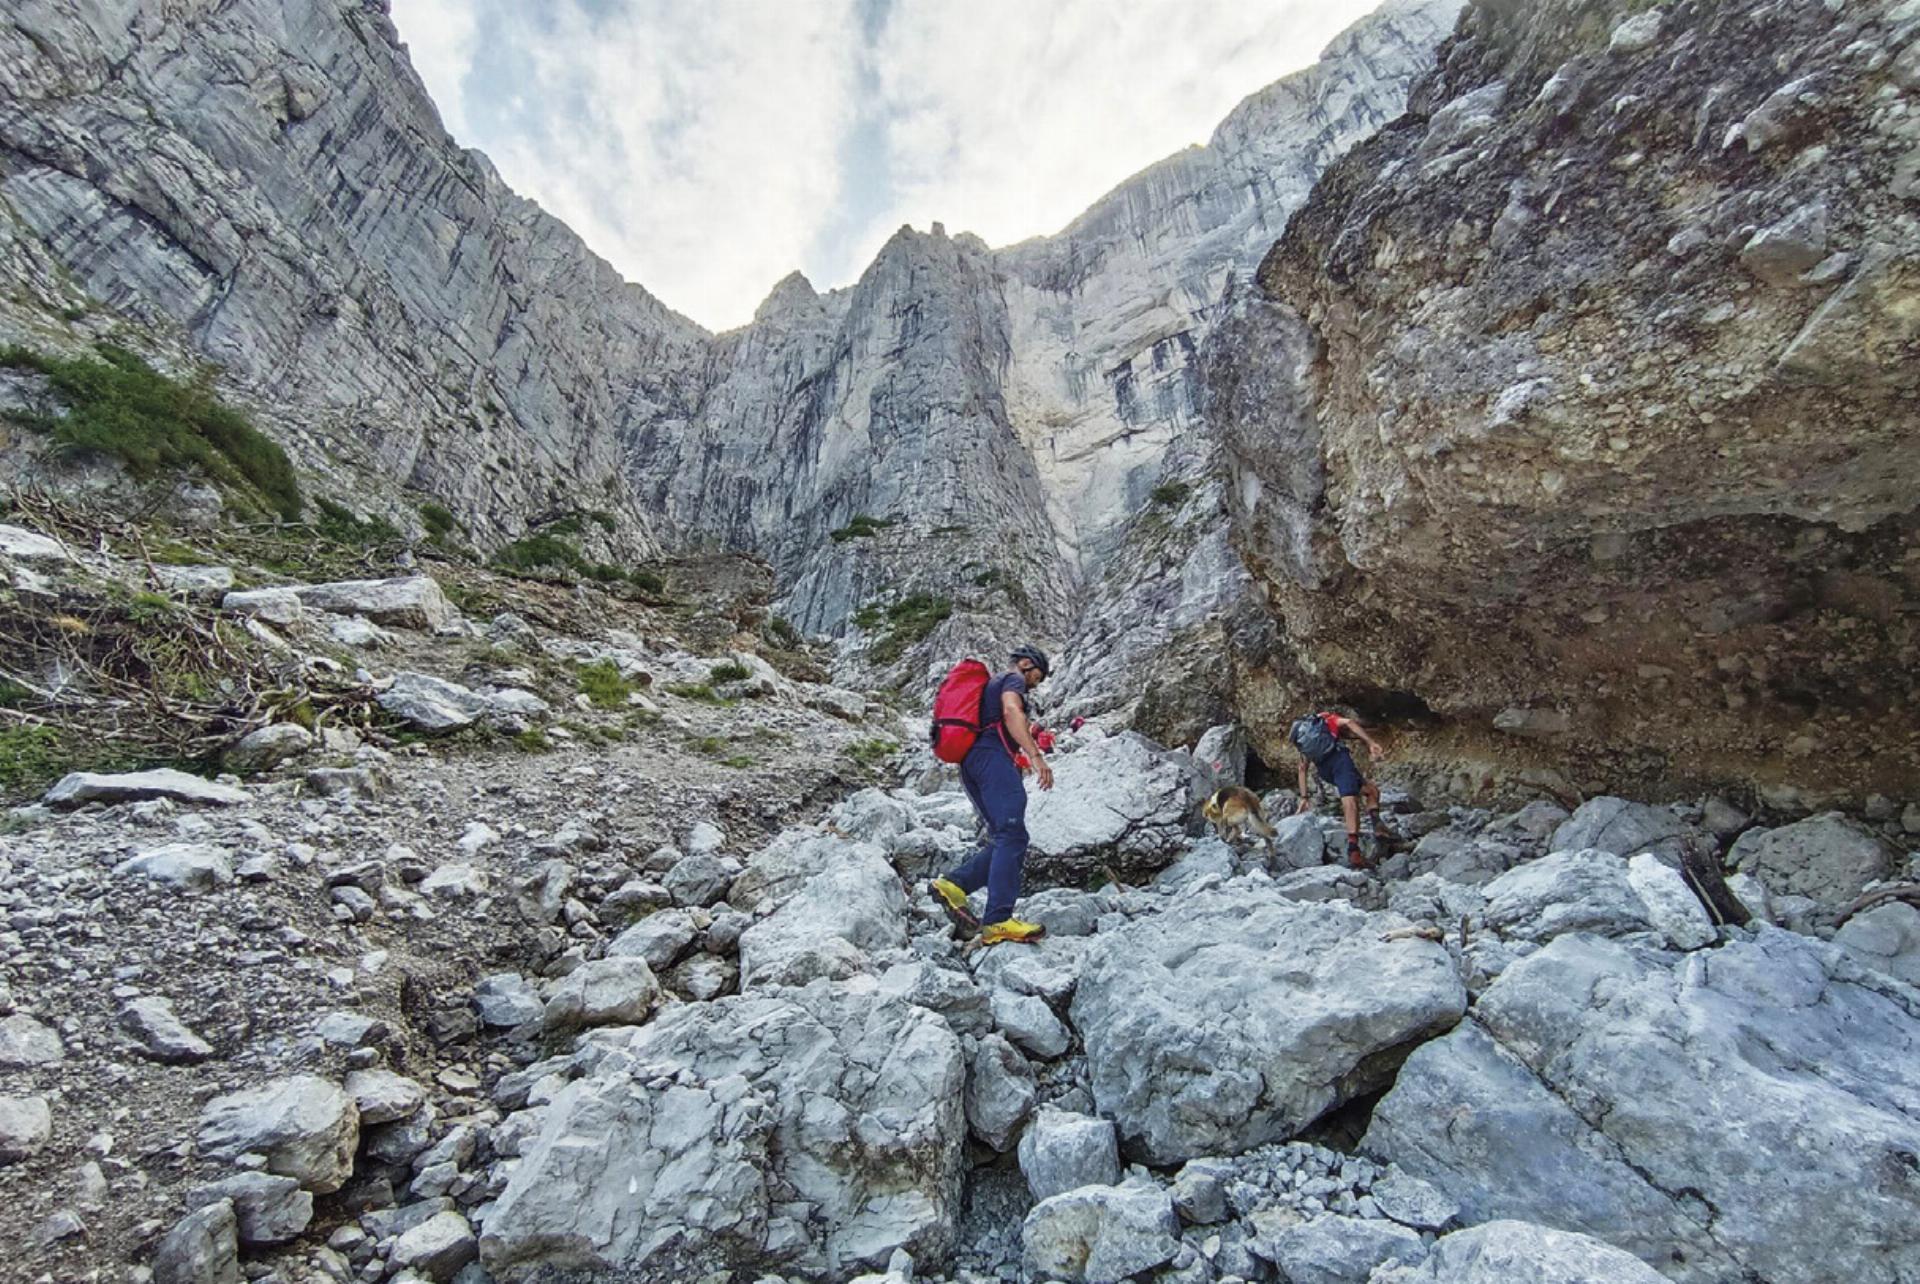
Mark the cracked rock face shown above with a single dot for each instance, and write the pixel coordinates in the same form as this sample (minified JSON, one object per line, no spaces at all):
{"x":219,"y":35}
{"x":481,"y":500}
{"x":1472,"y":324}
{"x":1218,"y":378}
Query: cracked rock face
{"x":1662,"y":1107}
{"x":1509,"y":415}
{"x":395,"y":314}
{"x":819,"y":1129}
{"x":1245,"y":1016}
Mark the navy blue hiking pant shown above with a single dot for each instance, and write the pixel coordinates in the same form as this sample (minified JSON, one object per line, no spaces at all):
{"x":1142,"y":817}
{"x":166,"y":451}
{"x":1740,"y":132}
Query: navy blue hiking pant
{"x":993,"y":784}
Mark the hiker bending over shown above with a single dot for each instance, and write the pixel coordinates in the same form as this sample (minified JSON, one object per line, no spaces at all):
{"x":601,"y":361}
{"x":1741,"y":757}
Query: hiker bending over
{"x":1317,"y":737}
{"x":992,"y":781}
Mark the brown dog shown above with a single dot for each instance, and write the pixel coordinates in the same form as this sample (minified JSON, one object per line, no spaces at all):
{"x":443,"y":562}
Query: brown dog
{"x":1232,"y":810}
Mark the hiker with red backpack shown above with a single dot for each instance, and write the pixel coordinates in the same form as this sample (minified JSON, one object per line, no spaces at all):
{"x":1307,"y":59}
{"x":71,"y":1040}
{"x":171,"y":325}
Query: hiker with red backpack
{"x":980,"y":722}
{"x":1317,"y":737}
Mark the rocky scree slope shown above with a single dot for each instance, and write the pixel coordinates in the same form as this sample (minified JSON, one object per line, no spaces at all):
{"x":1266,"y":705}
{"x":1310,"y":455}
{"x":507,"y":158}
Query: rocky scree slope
{"x":624,"y":1011}
{"x":1576,"y":409}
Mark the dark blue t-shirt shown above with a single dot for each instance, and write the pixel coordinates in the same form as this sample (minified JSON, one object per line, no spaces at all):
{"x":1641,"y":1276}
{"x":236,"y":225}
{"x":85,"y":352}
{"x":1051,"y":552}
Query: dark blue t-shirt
{"x":990,"y":711}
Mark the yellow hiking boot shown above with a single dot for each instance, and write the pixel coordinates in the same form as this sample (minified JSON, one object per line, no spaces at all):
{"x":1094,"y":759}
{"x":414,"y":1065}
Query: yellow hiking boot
{"x":954,"y":901}
{"x":1011,"y":929}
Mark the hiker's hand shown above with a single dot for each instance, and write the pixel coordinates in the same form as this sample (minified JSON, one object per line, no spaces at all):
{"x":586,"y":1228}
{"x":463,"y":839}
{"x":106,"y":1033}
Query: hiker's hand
{"x":1045,"y":773}
{"x":1306,"y":805}
{"x":1379,"y":752}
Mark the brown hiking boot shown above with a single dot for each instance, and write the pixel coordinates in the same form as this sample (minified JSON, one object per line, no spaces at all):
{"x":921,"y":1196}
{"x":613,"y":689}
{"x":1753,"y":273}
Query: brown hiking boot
{"x":1356,"y":858}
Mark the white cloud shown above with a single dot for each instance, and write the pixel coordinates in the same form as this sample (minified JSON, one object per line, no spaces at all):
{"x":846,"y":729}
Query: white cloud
{"x":705,"y":149}
{"x":440,"y":38}
{"x":1011,"y":118}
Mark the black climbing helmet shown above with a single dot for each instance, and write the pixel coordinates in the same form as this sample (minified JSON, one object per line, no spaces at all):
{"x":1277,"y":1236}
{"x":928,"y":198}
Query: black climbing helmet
{"x":1035,"y":656}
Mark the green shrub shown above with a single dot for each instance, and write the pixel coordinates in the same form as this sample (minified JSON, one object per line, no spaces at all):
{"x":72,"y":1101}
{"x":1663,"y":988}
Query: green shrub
{"x":730,"y":671}
{"x":542,"y":550}
{"x":30,"y":760}
{"x":871,"y":616}
{"x":861,"y":526}
{"x":339,"y":524}
{"x":149,"y":608}
{"x":603,"y":520}
{"x":1170,"y":494}
{"x":438,"y":519}
{"x":781,"y":632}
{"x":909,"y":621}
{"x":647,"y":582}
{"x":121,"y":406}
{"x":738,"y":761}
{"x":602,"y":684}
{"x":533,"y":740}
{"x":872,"y":753}
{"x":697,"y":691}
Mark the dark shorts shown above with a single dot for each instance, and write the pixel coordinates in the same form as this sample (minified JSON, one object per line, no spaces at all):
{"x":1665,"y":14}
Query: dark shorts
{"x":1337,"y":769}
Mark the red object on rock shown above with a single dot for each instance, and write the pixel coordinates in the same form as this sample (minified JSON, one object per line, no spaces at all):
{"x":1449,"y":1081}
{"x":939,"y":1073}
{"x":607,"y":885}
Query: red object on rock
{"x":1044,"y":738}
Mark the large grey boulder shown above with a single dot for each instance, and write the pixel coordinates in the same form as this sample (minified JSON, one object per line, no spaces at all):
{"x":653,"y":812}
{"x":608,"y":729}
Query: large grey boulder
{"x":810,"y":1130}
{"x":266,"y":1209}
{"x":184,"y":867}
{"x":1061,"y":1151}
{"x":432,"y":704}
{"x":1246,"y":1016}
{"x":1298,"y":842}
{"x":1000,"y":1092}
{"x":830,"y":920}
{"x":1100,"y":1234}
{"x":381,"y":1096}
{"x":414,"y":602}
{"x":202,"y":1248}
{"x":306,"y":1127}
{"x":134,"y":786}
{"x":1827,"y":857}
{"x":23,"y":545}
{"x":267,"y":747}
{"x":1031,"y":1024}
{"x":700,"y":878}
{"x":1887,"y":938}
{"x":160,"y":1033}
{"x":659,"y":938}
{"x":1672,"y":1109}
{"x":280,"y":606}
{"x":951,"y":993}
{"x":1595,"y":891}
{"x":1332,"y":1249}
{"x":1622,"y":827}
{"x":438,"y":1247}
{"x":25,"y":1125}
{"x":26,"y":1044}
{"x":1511,"y":1252}
{"x":507,"y":999}
{"x":1119,"y":800}
{"x":617,"y":990}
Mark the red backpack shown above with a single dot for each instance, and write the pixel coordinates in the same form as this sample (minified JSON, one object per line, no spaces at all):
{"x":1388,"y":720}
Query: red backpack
{"x":956,"y":710}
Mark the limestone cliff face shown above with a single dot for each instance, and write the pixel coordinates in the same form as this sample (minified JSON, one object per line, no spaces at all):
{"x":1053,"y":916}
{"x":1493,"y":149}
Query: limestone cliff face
{"x":1011,"y":411}
{"x":265,"y":185}
{"x":269,"y":184}
{"x":1575,"y":413}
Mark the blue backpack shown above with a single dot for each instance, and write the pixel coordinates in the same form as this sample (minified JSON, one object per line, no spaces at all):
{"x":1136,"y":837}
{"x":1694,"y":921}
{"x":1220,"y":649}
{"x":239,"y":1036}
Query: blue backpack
{"x":1311,"y":737}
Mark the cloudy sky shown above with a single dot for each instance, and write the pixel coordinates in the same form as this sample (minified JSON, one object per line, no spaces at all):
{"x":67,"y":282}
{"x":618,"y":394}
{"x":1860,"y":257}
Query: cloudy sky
{"x":709,"y":147}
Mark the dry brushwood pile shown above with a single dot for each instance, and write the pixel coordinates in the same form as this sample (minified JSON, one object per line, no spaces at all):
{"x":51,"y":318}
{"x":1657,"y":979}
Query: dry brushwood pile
{"x":116,"y":654}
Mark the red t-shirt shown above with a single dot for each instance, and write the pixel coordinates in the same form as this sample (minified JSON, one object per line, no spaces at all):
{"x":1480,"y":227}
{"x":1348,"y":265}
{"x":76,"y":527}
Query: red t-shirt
{"x":1334,"y":722}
